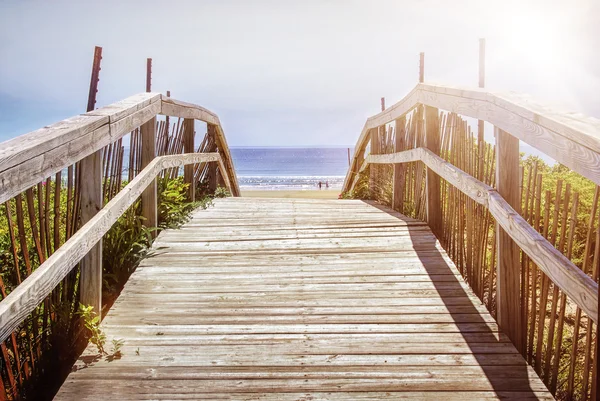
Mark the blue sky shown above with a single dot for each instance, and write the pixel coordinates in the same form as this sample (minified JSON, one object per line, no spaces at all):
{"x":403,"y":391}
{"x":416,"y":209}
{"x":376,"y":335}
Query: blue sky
{"x":288,"y":72}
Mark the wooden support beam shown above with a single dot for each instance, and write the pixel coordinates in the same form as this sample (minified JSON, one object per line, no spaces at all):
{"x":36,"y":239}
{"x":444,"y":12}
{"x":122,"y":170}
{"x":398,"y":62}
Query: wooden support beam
{"x":90,"y":279}
{"x":189,"y":147}
{"x":212,"y":167}
{"x":149,"y":197}
{"x":433,"y":190}
{"x":399,"y":169}
{"x":373,"y":176}
{"x":507,"y":252}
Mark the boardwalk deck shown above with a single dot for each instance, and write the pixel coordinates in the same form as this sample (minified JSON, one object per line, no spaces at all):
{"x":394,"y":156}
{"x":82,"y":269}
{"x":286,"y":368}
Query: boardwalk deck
{"x":277,"y":299}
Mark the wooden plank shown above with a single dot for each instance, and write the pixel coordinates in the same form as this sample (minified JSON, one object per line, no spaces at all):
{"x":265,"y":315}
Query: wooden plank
{"x":149,"y":196}
{"x":90,"y":280}
{"x":434,"y":199}
{"x":248,"y":323}
{"x":508,"y":276}
{"x":189,"y":147}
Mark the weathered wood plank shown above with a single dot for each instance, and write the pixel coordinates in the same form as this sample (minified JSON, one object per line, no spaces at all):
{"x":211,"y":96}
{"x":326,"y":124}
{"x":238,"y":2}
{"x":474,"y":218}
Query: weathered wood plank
{"x":508,"y":276}
{"x":241,"y":321}
{"x":189,"y":147}
{"x":433,"y":188}
{"x":149,"y":196}
{"x":90,"y":280}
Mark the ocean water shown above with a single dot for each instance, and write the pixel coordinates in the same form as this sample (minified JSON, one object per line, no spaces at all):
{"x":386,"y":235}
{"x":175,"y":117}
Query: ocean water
{"x":290,"y":168}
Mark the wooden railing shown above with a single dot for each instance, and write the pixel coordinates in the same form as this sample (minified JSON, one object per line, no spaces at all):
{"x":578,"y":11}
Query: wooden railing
{"x":84,"y":145}
{"x":570,"y":139}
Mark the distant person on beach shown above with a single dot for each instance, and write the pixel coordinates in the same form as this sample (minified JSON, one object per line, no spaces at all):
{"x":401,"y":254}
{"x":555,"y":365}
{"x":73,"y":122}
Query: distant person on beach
{"x":327,"y":184}
{"x":320,"y":184}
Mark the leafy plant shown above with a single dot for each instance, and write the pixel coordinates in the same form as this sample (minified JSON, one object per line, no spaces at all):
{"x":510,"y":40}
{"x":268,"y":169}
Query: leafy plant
{"x":124,"y":245}
{"x":173,"y":206}
{"x":222,"y":192}
{"x":91,"y":322}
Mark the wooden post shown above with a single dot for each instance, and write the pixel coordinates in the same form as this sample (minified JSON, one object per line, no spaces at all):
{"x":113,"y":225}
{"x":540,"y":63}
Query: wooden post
{"x":167,"y":119}
{"x":148,"y":134}
{"x":148,"y":74}
{"x":507,"y":252}
{"x":90,"y":189}
{"x":90,"y":279}
{"x":95,"y":78}
{"x":399,"y":170}
{"x":480,"y":123}
{"x":421,"y":67}
{"x":434,"y":199}
{"x":189,"y":147}
{"x":373,"y":184}
{"x":212,"y":167}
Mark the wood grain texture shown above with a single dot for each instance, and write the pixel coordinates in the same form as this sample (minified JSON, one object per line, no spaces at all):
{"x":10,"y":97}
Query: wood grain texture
{"x":576,"y":284}
{"x":508,"y":277}
{"x":90,"y":280}
{"x":433,"y":188}
{"x":285,"y":299}
{"x":374,"y":188}
{"x":149,"y":196}
{"x":570,"y":138}
{"x":211,"y":133}
{"x":28,"y":295}
{"x":189,"y":147}
{"x":399,"y":170}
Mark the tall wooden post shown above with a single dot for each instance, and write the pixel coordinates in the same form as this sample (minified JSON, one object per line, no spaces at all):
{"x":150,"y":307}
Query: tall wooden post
{"x":399,"y":171}
{"x":212,"y":167}
{"x":90,"y":279}
{"x":91,"y":202}
{"x":148,"y":75}
{"x":507,"y":252}
{"x":434,"y":199}
{"x":188,"y":147}
{"x":375,"y":149}
{"x":480,"y":123}
{"x":148,"y":134}
{"x":167,"y":119}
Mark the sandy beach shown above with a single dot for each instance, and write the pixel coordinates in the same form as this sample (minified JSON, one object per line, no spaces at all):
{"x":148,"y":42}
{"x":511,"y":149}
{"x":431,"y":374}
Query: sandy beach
{"x":306,"y":194}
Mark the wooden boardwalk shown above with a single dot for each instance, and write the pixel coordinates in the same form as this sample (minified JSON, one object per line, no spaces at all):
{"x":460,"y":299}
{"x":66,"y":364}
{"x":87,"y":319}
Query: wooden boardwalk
{"x":275,"y":299}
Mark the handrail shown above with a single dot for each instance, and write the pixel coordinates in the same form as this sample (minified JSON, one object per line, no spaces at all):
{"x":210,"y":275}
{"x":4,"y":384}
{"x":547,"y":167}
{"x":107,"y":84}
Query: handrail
{"x":35,"y":288}
{"x":574,"y":282}
{"x":31,"y":158}
{"x":569,"y":138}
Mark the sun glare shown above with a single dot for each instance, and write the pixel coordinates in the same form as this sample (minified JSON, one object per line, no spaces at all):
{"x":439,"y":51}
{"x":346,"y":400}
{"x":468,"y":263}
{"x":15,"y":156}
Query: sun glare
{"x":535,"y":39}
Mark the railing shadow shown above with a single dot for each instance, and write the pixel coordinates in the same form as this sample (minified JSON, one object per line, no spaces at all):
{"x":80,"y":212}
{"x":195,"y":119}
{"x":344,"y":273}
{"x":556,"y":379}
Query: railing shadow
{"x":506,"y":371}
